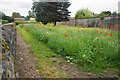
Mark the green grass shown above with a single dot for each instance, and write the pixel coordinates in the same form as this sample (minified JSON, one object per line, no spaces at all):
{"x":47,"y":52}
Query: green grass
{"x":43,"y":53}
{"x":93,"y":50}
{"x":54,"y":61}
{"x":61,"y":63}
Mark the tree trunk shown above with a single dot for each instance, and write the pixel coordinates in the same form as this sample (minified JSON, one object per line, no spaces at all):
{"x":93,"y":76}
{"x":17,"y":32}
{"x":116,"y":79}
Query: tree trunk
{"x":55,"y":23}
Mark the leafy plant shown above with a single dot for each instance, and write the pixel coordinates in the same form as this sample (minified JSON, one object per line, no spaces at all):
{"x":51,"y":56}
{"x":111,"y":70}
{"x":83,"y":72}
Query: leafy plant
{"x":61,"y":63}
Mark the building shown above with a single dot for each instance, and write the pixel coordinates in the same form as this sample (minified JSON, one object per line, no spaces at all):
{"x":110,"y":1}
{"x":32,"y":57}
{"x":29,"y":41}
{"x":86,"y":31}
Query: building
{"x":32,"y":20}
{"x":71,"y":18}
{"x":19,"y":19}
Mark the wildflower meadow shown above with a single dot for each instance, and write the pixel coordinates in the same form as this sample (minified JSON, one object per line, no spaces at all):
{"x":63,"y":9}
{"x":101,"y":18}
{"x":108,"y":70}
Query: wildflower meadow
{"x":94,"y":48}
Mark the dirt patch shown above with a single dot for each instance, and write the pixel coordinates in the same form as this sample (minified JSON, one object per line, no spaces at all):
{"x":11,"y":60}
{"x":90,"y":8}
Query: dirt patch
{"x":71,"y":70}
{"x":26,"y":61}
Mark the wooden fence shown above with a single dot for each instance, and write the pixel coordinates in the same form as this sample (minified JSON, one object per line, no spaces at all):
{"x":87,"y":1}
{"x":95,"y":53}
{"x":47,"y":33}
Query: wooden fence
{"x":8,"y":68}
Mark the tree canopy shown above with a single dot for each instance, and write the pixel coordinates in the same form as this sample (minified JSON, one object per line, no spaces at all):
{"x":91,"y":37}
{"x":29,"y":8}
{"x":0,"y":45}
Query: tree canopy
{"x":83,"y":13}
{"x":16,"y":15}
{"x":51,"y":11}
{"x":4,"y":17}
{"x":114,"y":13}
{"x":105,"y":13}
{"x":30,"y":15}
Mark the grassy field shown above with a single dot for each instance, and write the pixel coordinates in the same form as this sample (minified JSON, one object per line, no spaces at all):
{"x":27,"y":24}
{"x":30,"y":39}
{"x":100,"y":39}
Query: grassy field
{"x":92,"y":49}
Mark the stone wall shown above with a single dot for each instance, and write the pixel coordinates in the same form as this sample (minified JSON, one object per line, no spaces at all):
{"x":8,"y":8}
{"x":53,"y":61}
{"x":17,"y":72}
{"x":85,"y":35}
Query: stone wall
{"x":8,"y":66}
{"x":94,"y":22}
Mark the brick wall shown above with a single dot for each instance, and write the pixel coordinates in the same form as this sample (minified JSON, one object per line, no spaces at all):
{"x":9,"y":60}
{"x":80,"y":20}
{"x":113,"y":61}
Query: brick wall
{"x":94,"y":22}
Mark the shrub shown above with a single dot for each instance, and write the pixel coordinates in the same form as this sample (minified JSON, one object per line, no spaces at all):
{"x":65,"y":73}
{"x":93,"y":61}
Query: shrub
{"x":17,"y":23}
{"x":4,"y":21}
{"x":101,"y":17}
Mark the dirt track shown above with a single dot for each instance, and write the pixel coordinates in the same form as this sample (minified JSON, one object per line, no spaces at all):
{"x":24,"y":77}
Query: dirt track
{"x":26,"y":60}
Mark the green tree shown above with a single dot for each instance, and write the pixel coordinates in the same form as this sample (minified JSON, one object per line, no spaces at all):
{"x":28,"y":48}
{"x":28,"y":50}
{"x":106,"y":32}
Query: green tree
{"x":118,"y":14}
{"x":83,"y":13}
{"x":105,"y":13}
{"x":4,"y":17}
{"x":23,"y":16}
{"x":16,"y":15}
{"x":30,"y":15}
{"x":114,"y":13}
{"x":27,"y":18}
{"x":8,"y":18}
{"x":51,"y":11}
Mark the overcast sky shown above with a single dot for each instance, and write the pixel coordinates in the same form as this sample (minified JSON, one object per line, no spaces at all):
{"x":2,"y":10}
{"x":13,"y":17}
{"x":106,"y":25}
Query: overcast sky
{"x":23,"y":6}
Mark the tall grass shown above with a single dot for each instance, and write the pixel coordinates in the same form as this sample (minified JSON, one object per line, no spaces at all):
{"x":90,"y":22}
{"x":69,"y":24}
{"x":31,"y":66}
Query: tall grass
{"x":83,"y":44}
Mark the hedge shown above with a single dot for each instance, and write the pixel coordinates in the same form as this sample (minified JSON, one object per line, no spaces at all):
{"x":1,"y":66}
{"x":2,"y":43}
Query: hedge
{"x":4,"y":21}
{"x":17,"y":23}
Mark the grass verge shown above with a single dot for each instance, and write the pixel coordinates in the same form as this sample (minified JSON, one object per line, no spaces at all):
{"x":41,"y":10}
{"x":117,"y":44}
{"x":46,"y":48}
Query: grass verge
{"x":43,"y":53}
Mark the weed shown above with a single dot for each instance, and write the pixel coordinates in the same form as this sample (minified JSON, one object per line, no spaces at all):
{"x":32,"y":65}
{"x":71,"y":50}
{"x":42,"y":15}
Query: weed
{"x":54,"y":61}
{"x":61,"y":63}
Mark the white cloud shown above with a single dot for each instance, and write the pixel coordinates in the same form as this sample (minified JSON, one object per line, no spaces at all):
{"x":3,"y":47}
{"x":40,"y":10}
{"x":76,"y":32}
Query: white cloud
{"x":23,"y":6}
{"x":96,"y":6}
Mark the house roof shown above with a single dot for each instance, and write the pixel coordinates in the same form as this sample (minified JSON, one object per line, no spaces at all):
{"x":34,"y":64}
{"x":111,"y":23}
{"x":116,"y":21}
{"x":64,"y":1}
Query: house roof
{"x":19,"y":18}
{"x":71,"y":18}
